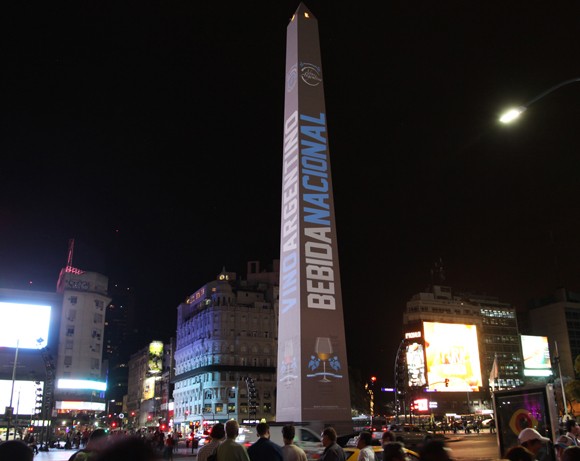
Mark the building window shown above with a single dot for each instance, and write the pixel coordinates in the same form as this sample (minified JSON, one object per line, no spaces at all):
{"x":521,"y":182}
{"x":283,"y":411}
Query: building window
{"x":267,"y":407}
{"x":72,"y":314}
{"x":219,"y":407}
{"x":95,"y":364}
{"x":73,"y":300}
{"x":68,"y":360}
{"x":70,"y":330}
{"x":98,"y":318}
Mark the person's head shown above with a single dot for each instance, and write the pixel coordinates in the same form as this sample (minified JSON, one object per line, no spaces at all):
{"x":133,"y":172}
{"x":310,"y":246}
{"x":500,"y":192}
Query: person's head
{"x":15,"y":450}
{"x":561,"y":444}
{"x":434,"y":450}
{"x":328,"y":436}
{"x":388,"y":437}
{"x":263,"y":430}
{"x":232,"y":429}
{"x":217,"y":432}
{"x":532,"y":439}
{"x":288,"y":433}
{"x":571,"y":454}
{"x":519,"y":453}
{"x":393,"y":451}
{"x":572,"y":426}
{"x":364,"y":440}
{"x":97,"y":440}
{"x":128,"y":448}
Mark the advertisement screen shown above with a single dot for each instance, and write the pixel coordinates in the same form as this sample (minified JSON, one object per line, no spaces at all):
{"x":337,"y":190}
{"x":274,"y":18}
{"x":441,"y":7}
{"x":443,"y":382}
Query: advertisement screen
{"x":23,"y":396}
{"x":155,"y":358}
{"x":452,"y":354}
{"x":536,"y":352}
{"x":518,"y":409}
{"x":24,"y":335}
{"x":416,"y":365}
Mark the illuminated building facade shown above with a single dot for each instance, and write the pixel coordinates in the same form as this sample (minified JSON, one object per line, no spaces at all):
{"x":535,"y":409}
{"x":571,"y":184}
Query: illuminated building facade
{"x":225,"y":357}
{"x":150,"y":385}
{"x":80,"y":375}
{"x":495,"y":332}
{"x":496,"y":322}
{"x":29,"y":323}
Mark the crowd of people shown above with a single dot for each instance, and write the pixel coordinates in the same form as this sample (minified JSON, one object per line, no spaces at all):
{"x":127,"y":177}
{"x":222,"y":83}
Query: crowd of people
{"x":222,"y":446}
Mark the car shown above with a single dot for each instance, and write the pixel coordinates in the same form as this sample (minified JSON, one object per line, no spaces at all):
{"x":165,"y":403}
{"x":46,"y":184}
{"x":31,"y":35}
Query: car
{"x":305,"y":438}
{"x":487,"y":422}
{"x":352,"y":453}
{"x":411,"y":435}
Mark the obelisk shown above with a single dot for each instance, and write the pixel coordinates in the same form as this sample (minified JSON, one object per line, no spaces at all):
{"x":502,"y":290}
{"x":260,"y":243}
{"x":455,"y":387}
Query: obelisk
{"x":312,"y":372}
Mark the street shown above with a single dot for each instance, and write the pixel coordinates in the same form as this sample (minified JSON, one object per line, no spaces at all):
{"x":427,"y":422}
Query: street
{"x":466,"y":447}
{"x":475,"y":447}
{"x":56,"y":454}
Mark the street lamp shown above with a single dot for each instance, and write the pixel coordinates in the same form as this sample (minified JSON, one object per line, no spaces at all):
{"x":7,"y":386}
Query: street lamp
{"x":11,"y":408}
{"x":512,"y":114}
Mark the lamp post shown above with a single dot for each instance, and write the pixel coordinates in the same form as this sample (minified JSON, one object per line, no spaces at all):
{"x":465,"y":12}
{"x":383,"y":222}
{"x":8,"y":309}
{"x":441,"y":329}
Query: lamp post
{"x":510,"y":115}
{"x":566,"y":417}
{"x":11,"y":408}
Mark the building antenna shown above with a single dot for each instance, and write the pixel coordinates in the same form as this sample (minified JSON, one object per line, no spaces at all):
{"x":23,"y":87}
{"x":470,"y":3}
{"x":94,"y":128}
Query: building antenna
{"x":71,"y":249}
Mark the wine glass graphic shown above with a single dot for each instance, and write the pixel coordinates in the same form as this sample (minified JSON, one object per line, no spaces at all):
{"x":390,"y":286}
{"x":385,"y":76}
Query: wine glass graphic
{"x":323,"y":350}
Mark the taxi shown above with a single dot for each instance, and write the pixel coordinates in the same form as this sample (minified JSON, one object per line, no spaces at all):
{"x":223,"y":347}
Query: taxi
{"x":352,"y":453}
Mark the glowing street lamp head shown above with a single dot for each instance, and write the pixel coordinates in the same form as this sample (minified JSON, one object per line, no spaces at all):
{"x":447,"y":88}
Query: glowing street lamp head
{"x":512,"y":114}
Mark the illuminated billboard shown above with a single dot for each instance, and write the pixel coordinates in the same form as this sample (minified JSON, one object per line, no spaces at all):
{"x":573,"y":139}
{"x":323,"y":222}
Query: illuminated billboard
{"x":415,"y":364}
{"x":155,"y":366}
{"x":23,"y":325}
{"x":23,"y":396}
{"x":536,"y":355}
{"x":452,"y":356}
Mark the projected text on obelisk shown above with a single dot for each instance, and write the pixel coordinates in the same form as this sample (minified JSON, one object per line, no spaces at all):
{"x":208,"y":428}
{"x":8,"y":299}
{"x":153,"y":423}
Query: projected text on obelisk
{"x":312,"y":364}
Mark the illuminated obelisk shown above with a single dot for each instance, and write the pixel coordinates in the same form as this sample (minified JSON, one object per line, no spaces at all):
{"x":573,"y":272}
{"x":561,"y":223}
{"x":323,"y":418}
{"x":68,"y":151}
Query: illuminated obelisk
{"x":312,"y":365}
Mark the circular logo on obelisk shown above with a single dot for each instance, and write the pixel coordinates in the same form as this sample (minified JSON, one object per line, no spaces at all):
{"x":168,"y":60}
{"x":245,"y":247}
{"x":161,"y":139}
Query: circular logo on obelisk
{"x":310,"y":74}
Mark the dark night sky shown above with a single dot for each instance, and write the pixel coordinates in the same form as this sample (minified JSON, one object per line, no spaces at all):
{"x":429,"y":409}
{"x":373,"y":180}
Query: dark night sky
{"x":151,"y":132}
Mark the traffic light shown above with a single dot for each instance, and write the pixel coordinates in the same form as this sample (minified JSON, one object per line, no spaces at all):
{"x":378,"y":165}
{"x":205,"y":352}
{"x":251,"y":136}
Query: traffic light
{"x":446,"y":382}
{"x":373,"y":379}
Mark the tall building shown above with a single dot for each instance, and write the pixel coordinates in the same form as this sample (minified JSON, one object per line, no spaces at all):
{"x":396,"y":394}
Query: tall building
{"x":497,"y":336}
{"x":119,"y":341}
{"x":150,"y":386}
{"x":80,"y":375}
{"x":225,"y":356}
{"x":558,"y":318}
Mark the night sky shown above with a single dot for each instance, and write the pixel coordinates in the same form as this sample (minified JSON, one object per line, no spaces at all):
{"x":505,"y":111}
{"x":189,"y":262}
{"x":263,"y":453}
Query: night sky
{"x":151,"y":133}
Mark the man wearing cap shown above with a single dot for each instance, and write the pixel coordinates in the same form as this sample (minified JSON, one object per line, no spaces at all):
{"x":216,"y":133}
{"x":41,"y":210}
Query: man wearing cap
{"x":532,"y":440}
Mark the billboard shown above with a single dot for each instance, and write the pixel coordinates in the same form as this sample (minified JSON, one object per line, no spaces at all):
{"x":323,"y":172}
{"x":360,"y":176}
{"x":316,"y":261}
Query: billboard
{"x":536,"y":354}
{"x":23,"y":395}
{"x":415,"y":355}
{"x":517,"y":409}
{"x":155,"y":362}
{"x":29,"y":334}
{"x":452,"y":357}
